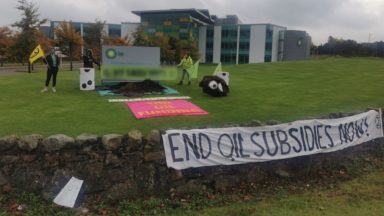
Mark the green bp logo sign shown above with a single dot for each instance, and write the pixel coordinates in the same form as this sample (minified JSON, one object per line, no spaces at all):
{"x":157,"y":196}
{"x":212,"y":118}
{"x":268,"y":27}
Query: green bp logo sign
{"x":111,"y":53}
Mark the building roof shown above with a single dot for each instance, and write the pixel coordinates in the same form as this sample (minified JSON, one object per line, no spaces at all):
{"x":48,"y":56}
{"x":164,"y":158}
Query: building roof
{"x":200,"y":14}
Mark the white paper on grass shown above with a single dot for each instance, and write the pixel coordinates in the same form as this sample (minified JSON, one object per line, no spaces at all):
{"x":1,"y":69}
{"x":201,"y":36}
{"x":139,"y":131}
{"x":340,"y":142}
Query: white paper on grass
{"x":68,"y":195}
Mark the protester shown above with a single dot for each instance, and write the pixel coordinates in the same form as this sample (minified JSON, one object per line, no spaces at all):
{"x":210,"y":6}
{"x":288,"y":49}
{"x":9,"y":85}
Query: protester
{"x":89,"y":60}
{"x":185,"y":63}
{"x":53,"y":62}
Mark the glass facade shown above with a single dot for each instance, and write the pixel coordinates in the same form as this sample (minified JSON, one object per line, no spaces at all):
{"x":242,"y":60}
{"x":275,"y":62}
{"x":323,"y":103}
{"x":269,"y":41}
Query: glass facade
{"x":114,"y":30}
{"x":244,"y":43}
{"x":234,"y":44}
{"x":268,"y":43}
{"x":177,"y":25}
{"x":76,"y":26}
{"x":209,"y":45}
{"x":86,"y":29}
{"x":229,"y":43}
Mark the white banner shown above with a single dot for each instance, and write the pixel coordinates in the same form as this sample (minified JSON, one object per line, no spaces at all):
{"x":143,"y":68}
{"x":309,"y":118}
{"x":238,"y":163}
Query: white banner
{"x":237,"y":145}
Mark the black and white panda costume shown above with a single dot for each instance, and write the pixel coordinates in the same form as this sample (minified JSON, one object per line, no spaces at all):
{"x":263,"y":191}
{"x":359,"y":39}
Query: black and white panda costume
{"x":214,"y":86}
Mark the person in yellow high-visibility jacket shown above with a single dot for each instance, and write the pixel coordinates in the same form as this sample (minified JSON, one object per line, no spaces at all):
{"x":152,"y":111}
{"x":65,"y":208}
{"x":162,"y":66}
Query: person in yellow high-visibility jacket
{"x":185,"y":63}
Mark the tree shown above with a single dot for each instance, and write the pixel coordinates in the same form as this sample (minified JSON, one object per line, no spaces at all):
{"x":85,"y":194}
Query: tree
{"x":6,"y":41}
{"x":28,"y":26}
{"x":117,"y":41}
{"x":191,"y":46}
{"x":93,"y":37}
{"x":140,"y":38}
{"x":68,"y":39}
{"x":166,"y":54}
{"x":175,"y":46}
{"x":171,"y":48}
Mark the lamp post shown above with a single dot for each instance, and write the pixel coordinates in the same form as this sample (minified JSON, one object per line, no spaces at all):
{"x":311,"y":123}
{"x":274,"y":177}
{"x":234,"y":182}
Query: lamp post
{"x":70,"y":50}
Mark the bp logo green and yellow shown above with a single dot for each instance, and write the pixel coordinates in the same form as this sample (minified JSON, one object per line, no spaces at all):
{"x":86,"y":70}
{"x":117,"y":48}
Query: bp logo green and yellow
{"x":111,"y":53}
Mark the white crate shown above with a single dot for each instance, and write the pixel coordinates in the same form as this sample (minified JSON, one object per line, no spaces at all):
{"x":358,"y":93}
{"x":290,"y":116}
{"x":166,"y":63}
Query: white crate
{"x":87,"y":79}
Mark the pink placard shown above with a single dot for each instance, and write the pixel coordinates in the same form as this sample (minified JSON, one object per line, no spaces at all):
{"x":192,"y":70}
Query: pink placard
{"x":149,"y":109}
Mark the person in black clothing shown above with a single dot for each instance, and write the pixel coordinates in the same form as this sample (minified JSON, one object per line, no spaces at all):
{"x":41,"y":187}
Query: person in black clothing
{"x":89,"y":60}
{"x":53,"y":62}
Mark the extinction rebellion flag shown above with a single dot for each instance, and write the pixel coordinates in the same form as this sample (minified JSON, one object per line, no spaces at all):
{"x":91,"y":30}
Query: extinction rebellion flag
{"x":36,"y":54}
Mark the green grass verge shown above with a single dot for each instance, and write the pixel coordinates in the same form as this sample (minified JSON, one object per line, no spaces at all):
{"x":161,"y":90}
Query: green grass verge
{"x":284,"y":91}
{"x":362,"y":195}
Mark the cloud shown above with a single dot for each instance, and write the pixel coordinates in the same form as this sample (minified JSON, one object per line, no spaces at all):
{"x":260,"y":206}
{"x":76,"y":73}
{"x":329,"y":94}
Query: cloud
{"x":348,"y":19}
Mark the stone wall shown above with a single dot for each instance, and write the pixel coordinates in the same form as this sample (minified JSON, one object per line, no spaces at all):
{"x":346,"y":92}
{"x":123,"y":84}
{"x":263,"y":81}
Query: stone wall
{"x":130,"y":166}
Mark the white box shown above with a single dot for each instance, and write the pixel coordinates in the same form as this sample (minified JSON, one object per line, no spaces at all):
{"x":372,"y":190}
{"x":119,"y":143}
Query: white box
{"x":87,"y":79}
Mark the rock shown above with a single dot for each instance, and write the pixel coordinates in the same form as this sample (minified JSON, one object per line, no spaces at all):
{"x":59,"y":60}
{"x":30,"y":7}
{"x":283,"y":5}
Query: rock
{"x":126,"y":190}
{"x":92,"y":170}
{"x":7,"y":188}
{"x":29,"y":158}
{"x":120,"y":174}
{"x":282,"y":173}
{"x":256,"y":176}
{"x":153,"y":141}
{"x":190,"y":188}
{"x":154,"y":136}
{"x":8,"y":142}
{"x":176,"y":175}
{"x":22,"y":208}
{"x":94,"y":177}
{"x":154,"y":156}
{"x":112,"y":142}
{"x":225,"y":183}
{"x":71,"y":156}
{"x":30,"y":142}
{"x":81,"y":211}
{"x":59,"y":179}
{"x":273,"y":122}
{"x":135,"y":141}
{"x":112,"y":160}
{"x":3,"y":179}
{"x":85,"y":139}
{"x":134,"y":159}
{"x":255,"y":123}
{"x":28,"y":181}
{"x":8,"y":159}
{"x":146,"y":178}
{"x":51,"y":160}
{"x":336,"y":115}
{"x":57,"y":142}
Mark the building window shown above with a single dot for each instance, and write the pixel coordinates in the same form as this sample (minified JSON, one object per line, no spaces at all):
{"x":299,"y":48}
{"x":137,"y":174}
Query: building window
{"x":228,"y":58}
{"x":300,"y":42}
{"x":208,"y":58}
{"x":167,"y":23}
{"x":229,"y":46}
{"x":209,"y":45}
{"x":244,"y":46}
{"x":114,"y":30}
{"x":268,"y":46}
{"x":267,"y":58}
{"x":209,"y":33}
{"x":245,"y":33}
{"x":243,"y":59}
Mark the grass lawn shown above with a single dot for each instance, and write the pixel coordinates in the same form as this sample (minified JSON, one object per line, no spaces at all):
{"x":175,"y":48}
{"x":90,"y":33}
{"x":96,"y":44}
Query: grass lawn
{"x":361,"y":195}
{"x":284,"y":91}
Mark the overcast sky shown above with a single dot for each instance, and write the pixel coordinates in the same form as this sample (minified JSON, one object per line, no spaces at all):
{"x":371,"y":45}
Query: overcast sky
{"x":360,"y":20}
